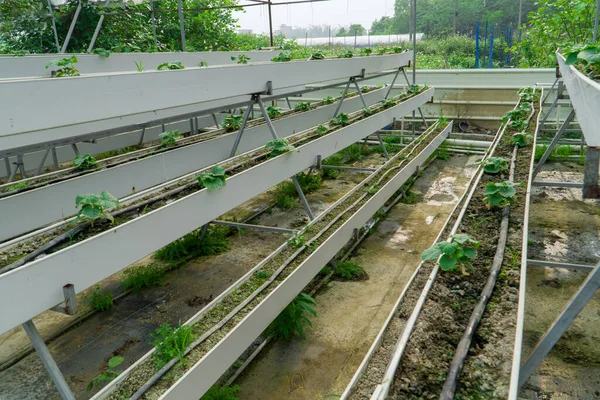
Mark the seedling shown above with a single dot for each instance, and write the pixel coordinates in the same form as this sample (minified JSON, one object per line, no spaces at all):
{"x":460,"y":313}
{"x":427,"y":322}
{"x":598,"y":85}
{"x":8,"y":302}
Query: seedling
{"x":232,"y":122}
{"x":108,"y":375}
{"x":328,"y":100}
{"x":102,"y":52}
{"x":297,"y":241}
{"x":365,"y":89}
{"x":171,"y":342}
{"x":168,"y":138}
{"x":284,"y":56}
{"x":273,"y":111}
{"x":454,"y":255}
{"x":214,"y":179}
{"x":350,"y":271}
{"x":517,"y":124}
{"x":499,"y":194}
{"x":203,"y":64}
{"x":292,"y":319}
{"x":388,"y":103}
{"x":241,"y":59}
{"x":521,"y":139}
{"x":278,"y":147}
{"x":262,"y":275}
{"x":518,"y":113}
{"x":366,"y":51}
{"x":341,"y":120}
{"x":317,"y":55}
{"x":397,"y":49}
{"x":382,"y":50}
{"x":372,"y":190}
{"x":321,"y":129}
{"x":66,"y":66}
{"x":139,"y":65}
{"x":414,"y":89}
{"x":495,"y":165}
{"x":302,"y":106}
{"x":94,"y":206}
{"x":347,"y":54}
{"x":101,"y":300}
{"x":171,"y":65}
{"x":85,"y":161}
{"x":367,"y":112}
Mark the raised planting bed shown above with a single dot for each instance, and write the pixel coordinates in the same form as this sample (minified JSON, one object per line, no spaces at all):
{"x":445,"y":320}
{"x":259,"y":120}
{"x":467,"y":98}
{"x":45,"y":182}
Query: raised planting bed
{"x":584,"y":93}
{"x":412,"y":355}
{"x":130,"y":174}
{"x":126,"y":99}
{"x":97,"y":252}
{"x":229,"y":324}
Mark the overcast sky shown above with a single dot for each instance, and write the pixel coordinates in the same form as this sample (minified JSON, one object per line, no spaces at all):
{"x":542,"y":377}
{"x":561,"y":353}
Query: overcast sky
{"x":333,"y":12}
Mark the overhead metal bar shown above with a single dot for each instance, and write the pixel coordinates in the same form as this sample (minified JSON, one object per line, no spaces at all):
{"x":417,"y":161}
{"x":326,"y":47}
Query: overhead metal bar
{"x":97,"y":30}
{"x":553,"y":264}
{"x":70,"y":32}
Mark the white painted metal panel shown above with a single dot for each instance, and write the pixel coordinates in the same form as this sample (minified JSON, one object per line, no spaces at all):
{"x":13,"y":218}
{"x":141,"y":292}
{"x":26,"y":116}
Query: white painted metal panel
{"x":126,"y":179}
{"x":131,"y":98}
{"x":12,"y":67}
{"x":206,"y":372}
{"x":37,"y":286}
{"x":484,"y":78}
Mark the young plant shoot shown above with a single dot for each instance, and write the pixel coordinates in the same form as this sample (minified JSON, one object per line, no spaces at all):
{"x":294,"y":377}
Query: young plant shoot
{"x":274,"y":112}
{"x":94,"y":206}
{"x":241,"y":59}
{"x":65,"y":66}
{"x":521,"y":139}
{"x":108,"y":375}
{"x":171,"y":65}
{"x":302,"y":106}
{"x":232,"y":122}
{"x":85,"y":161}
{"x":341,"y":120}
{"x":498,"y":195}
{"x":214,"y":179}
{"x":168,"y":138}
{"x":278,"y":147}
{"x":495,"y":165}
{"x":292,"y":319}
{"x":454,"y":255}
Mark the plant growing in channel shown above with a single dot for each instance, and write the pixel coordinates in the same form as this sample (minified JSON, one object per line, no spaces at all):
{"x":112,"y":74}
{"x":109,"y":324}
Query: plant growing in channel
{"x":517,"y":124}
{"x":586,"y":57}
{"x":232,"y":122}
{"x":367,"y":112}
{"x":346,"y":54}
{"x":284,"y":56}
{"x":241,"y":59}
{"x":213,"y":180}
{"x":171,"y":342}
{"x":302,"y":106}
{"x":495,"y":165}
{"x":341,"y":120}
{"x":139,"y":65}
{"x":171,"y":65}
{"x":203,"y":64}
{"x":317,"y":55}
{"x":273,"y":111}
{"x":85,"y":161}
{"x":66,"y":66}
{"x":382,"y":50}
{"x":102,"y":52}
{"x":396,"y":49}
{"x":94,"y":206}
{"x":455,"y":255}
{"x":321,"y":129}
{"x":278,"y":147}
{"x":499,"y":194}
{"x":388,"y":103}
{"x":108,"y":375}
{"x":521,"y":139}
{"x":297,"y":240}
{"x":366,"y":51}
{"x":168,"y":138}
{"x":414,"y":89}
{"x":101,"y":300}
{"x":290,"y":322}
{"x":328,"y":100}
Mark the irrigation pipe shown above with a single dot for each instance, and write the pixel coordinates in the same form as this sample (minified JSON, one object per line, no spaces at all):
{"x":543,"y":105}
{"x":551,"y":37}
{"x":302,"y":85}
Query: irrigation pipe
{"x":465,"y":342}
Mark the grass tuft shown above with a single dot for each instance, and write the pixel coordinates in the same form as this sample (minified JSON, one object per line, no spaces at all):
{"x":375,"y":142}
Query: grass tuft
{"x":215,"y":242}
{"x":350,"y":271}
{"x":218,"y":392}
{"x":137,"y":278}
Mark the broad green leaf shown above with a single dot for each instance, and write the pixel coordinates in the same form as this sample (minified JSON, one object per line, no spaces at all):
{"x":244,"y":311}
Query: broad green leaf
{"x":90,"y":212}
{"x":115,"y":361}
{"x":446,"y":248}
{"x":461,"y":238}
{"x":431,"y":253}
{"x":447,"y":263}
{"x":212,"y":183}
{"x":217,"y":171}
{"x":491,"y":188}
{"x":84,"y":199}
{"x":507,"y":191}
{"x":591,"y":56}
{"x":469,"y":252}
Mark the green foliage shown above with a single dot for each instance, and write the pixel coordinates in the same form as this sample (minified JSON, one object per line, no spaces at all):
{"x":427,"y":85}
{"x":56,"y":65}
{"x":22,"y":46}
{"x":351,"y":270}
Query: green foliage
{"x":442,"y":152}
{"x":388,"y":103}
{"x":347,"y":54}
{"x":528,"y":94}
{"x":277,"y":147}
{"x":107,"y":375}
{"x":396,"y":49}
{"x":586,"y":58}
{"x":414,"y":89}
{"x":171,"y":342}
{"x":171,"y":65}
{"x":341,"y":120}
{"x":169,"y":138}
{"x":292,"y":319}
{"x":66,"y":66}
{"x":241,"y":59}
{"x":94,"y":206}
{"x":213,"y":180}
{"x":309,"y":182}
{"x":317,"y":55}
{"x":367,"y":112}
{"x":495,"y":165}
{"x":218,"y":392}
{"x":453,"y":255}
{"x":215,"y":242}
{"x":232,"y":122}
{"x":517,"y":124}
{"x":203,"y":64}
{"x":297,"y":241}
{"x":366,"y":51}
{"x":273,"y":111}
{"x":18,"y":186}
{"x":284,"y":201}
{"x":262,"y":275}
{"x":522,"y":139}
{"x":139,"y":66}
{"x":381,"y":50}
{"x":284,"y":56}
{"x":302,"y":106}
{"x":321,"y":129}
{"x":518,"y":113}
{"x":349,"y":271}
{"x":85,"y":161}
{"x":102,"y":52}
{"x":137,"y":278}
{"x":101,"y":300}
{"x":499,"y":194}
{"x":328,"y":100}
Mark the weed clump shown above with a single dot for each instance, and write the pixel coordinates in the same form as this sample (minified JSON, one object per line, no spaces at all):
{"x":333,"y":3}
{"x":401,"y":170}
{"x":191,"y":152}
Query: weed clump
{"x":137,"y":278}
{"x":350,"y":271}
{"x":171,"y":342}
{"x":218,"y":392}
{"x":291,"y":321}
{"x":101,"y":300}
{"x":215,"y":242}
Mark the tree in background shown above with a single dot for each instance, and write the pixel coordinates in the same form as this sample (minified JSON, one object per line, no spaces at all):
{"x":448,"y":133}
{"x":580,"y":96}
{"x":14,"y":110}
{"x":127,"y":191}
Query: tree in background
{"x":353,"y":30}
{"x":342,"y":32}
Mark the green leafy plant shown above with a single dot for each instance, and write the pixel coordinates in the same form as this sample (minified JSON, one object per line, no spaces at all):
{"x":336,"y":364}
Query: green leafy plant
{"x":297,"y":240}
{"x":215,"y":241}
{"x":278,"y":147}
{"x":137,"y":278}
{"x":367,"y":112}
{"x":321,"y":129}
{"x":241,"y":59}
{"x":232,"y":122}
{"x":396,"y":49}
{"x":94,"y":206}
{"x":139,"y":65}
{"x":171,"y":342}
{"x":317,"y":55}
{"x":328,"y":100}
{"x":341,"y":120}
{"x":168,"y":138}
{"x":517,"y":124}
{"x":218,"y":392}
{"x":499,"y":194}
{"x":495,"y":165}
{"x":18,"y":186}
{"x":85,"y":161}
{"x":366,"y":51}
{"x":102,"y":52}
{"x":346,"y":54}
{"x":522,"y":139}
{"x":290,"y":322}
{"x":586,"y":57}
{"x":284,"y":56}
{"x":388,"y":103}
{"x":382,"y":50}
{"x":453,"y":255}
{"x":101,"y":300}
{"x":273,"y":111}
{"x":262,"y":275}
{"x":213,"y":180}
{"x":203,"y":64}
{"x":350,"y":271}
{"x":302,"y":106}
{"x":414,"y":89}
{"x":107,"y":375}
{"x":66,"y":66}
{"x":171,"y":65}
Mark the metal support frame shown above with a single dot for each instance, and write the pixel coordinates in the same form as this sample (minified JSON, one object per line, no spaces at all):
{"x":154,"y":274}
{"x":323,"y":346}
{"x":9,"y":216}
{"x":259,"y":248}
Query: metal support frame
{"x":70,"y":304}
{"x":393,"y":82}
{"x":48,"y":361}
{"x":419,"y":108}
{"x":542,"y":263}
{"x":7,"y":167}
{"x":97,"y":31}
{"x":181,"y":25}
{"x":250,"y":226}
{"x":559,"y":93}
{"x":71,"y":28}
{"x":553,"y":144}
{"x":54,"y":157}
{"x":141,"y":141}
{"x":54,"y":25}
{"x":584,"y":294}
{"x":42,"y":162}
{"x":75,"y":148}
{"x":551,"y":88}
{"x":591,"y":189}
{"x":344,"y":93}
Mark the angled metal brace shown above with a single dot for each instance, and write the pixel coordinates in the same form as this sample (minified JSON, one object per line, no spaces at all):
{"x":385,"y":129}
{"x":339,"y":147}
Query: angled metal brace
{"x":70,"y":304}
{"x":243,"y":126}
{"x":339,"y":106}
{"x":393,"y":82}
{"x":54,"y":158}
{"x":382,"y":144}
{"x":75,"y":149}
{"x":550,"y":91}
{"x":54,"y":26}
{"x":419,"y":108}
{"x":42,"y":161}
{"x":203,"y":233}
{"x":362,"y":98}
{"x":141,"y":141}
{"x":7,"y":167}
{"x":303,"y":198}
{"x":584,"y":294}
{"x":561,"y":88}
{"x":553,"y":144}
{"x":214,"y":120}
{"x":98,"y":26}
{"x":73,"y":23}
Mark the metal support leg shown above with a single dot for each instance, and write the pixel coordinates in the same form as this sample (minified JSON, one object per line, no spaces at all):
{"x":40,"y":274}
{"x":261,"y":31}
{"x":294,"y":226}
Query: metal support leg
{"x":21,"y":165}
{"x":12,"y":173}
{"x":362,"y":98}
{"x":48,"y":361}
{"x":550,"y":91}
{"x":7,"y":167}
{"x":196,"y":126}
{"x":54,"y":26}
{"x":591,"y":190}
{"x":265,"y":114}
{"x":70,"y":304}
{"x":554,"y":103}
{"x":142,"y":136}
{"x":419,"y":108}
{"x":303,"y":198}
{"x":97,"y":31}
{"x":585,"y":293}
{"x":42,"y":162}
{"x":204,"y":232}
{"x":241,"y":131}
{"x":559,"y":134}
{"x":73,"y":23}
{"x":216,"y":121}
{"x":54,"y":158}
{"x":337,"y":110}
{"x":381,"y":142}
{"x":75,"y":149}
{"x":393,"y":82}
{"x":287,"y":100}
{"x":191,"y":126}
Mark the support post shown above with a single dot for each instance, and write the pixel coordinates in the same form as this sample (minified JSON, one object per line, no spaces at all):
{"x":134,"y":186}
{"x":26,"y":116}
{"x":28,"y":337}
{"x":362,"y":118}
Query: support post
{"x":555,"y":140}
{"x":71,"y":28}
{"x":41,"y":164}
{"x":54,"y":26}
{"x":339,"y":106}
{"x":70,"y":304}
{"x":265,"y":114}
{"x":382,"y":144}
{"x":303,"y":198}
{"x":215,"y":120}
{"x":362,"y":98}
{"x":584,"y":294}
{"x":241,"y":131}
{"x":181,"y":25}
{"x":54,"y":158}
{"x":270,"y":24}
{"x":418,"y":108}
{"x":204,"y":232}
{"x":75,"y":149}
{"x":142,"y":136}
{"x":7,"y":167}
{"x":591,"y":190}
{"x":97,"y":31}
{"x":21,"y":165}
{"x":393,"y":82}
{"x":477,"y":44}
{"x":153,"y":19}
{"x":47,"y":360}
